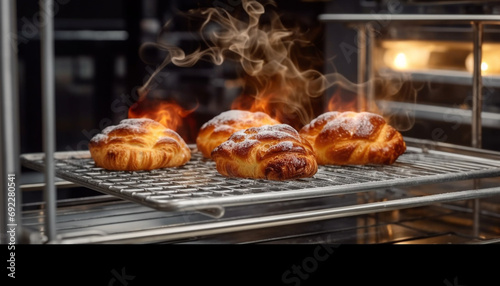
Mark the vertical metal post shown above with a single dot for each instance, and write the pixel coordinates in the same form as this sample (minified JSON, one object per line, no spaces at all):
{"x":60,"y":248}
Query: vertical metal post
{"x":370,"y":104}
{"x":48,"y":113}
{"x":361,"y":30}
{"x":9,"y":119}
{"x":477,"y":85}
{"x":477,"y":106}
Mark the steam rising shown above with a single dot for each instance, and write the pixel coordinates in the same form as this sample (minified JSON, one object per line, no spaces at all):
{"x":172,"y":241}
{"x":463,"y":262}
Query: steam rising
{"x":264,"y":48}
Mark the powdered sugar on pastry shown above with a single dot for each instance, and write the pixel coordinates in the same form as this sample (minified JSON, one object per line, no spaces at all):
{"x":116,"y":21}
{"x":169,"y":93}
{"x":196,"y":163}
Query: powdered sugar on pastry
{"x":342,"y":138}
{"x":357,"y":126}
{"x":138,"y":144}
{"x":273,"y":152}
{"x":218,"y":129}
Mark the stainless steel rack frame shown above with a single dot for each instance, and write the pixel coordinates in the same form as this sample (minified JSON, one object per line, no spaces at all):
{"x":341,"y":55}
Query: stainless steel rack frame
{"x":107,"y":219}
{"x":127,"y":222}
{"x":198,"y":186}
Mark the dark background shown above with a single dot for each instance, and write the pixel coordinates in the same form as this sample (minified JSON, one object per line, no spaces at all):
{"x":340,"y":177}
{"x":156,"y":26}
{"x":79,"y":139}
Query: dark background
{"x":99,"y":66}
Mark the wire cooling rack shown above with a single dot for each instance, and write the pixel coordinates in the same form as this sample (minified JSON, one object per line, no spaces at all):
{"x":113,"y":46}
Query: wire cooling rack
{"x":198,"y":186}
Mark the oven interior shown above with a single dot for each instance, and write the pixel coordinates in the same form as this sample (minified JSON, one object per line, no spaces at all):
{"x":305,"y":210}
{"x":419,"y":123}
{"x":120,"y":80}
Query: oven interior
{"x":419,"y":74}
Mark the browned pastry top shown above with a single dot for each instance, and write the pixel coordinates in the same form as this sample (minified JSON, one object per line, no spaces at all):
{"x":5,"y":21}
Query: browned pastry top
{"x":273,"y":152}
{"x":341,"y":138}
{"x":219,"y":128}
{"x":138,"y":144}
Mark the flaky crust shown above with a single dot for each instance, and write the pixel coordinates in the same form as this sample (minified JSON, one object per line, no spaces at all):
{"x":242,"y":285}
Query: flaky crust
{"x":350,"y":138}
{"x":138,"y":144}
{"x":218,"y":129}
{"x":272,"y":152}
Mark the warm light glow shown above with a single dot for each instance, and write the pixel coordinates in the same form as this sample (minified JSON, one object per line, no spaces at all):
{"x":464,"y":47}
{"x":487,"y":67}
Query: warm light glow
{"x":484,"y":66}
{"x":407,"y":58}
{"x":400,"y":61}
{"x":490,"y":64}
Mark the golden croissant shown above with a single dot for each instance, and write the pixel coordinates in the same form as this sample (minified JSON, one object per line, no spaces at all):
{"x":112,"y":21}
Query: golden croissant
{"x":351,"y":138}
{"x":272,"y":152}
{"x":138,"y":144}
{"x":219,"y":128}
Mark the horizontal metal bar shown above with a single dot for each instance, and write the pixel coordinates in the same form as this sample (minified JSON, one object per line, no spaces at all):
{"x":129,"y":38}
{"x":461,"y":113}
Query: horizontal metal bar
{"x":218,"y":227}
{"x":487,"y":241}
{"x":442,"y":18}
{"x":88,"y":35}
{"x":41,"y":186}
{"x":439,"y":113}
{"x":216,"y":203}
{"x":462,"y":78}
{"x":452,"y":148}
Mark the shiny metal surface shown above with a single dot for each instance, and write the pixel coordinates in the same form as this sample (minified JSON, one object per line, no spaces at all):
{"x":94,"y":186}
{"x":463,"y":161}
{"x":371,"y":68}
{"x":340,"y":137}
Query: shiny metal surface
{"x":198,"y":186}
{"x":434,"y":112}
{"x":186,"y":231}
{"x":441,"y":18}
{"x":48,"y":110}
{"x":368,"y":216}
{"x":9,"y":115}
{"x":107,"y":220}
{"x":442,"y":76}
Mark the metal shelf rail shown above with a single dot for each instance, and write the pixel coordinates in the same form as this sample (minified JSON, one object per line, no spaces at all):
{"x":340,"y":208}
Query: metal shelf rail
{"x":184,"y":228}
{"x":197,"y":186}
{"x":364,"y":24}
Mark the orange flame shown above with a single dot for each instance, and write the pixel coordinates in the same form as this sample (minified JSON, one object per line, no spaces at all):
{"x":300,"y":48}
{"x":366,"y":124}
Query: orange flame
{"x":278,"y":77}
{"x":169,"y":114}
{"x":264,"y":104}
{"x":245,"y":102}
{"x":281,"y":99}
{"x":346,"y":102}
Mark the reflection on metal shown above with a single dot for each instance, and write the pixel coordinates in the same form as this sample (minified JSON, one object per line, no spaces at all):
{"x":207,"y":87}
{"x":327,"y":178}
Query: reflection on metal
{"x":438,"y":113}
{"x":198,"y":186}
{"x":9,"y":117}
{"x":440,"y":76}
{"x":184,"y":231}
{"x":477,"y":85}
{"x":48,"y":112}
{"x":414,"y":18}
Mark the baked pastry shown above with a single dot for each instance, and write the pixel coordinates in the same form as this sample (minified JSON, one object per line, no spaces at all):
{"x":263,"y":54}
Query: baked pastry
{"x":138,"y":144}
{"x":351,"y":138}
{"x":218,"y":129}
{"x":273,"y":152}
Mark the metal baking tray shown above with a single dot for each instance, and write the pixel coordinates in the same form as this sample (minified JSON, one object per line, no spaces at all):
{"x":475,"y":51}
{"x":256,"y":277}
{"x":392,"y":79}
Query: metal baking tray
{"x":198,"y":186}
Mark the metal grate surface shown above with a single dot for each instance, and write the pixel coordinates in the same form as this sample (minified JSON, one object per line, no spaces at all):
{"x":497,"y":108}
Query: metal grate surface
{"x":198,"y":186}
